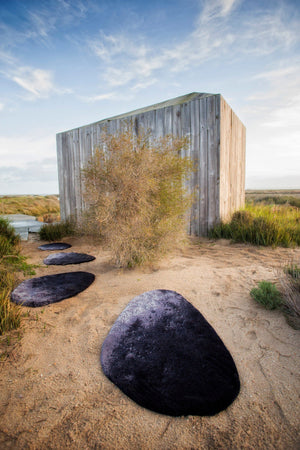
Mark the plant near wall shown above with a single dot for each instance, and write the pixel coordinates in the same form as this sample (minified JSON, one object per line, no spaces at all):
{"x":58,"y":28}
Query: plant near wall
{"x":54,"y":231}
{"x":290,"y":286}
{"x":259,"y":224}
{"x":135,"y":195}
{"x":267,"y":295}
{"x":11,"y":262}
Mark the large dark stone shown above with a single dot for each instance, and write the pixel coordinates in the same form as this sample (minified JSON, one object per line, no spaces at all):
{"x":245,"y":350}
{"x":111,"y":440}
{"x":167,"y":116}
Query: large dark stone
{"x":55,"y":246}
{"x":164,"y":355}
{"x":62,"y":259}
{"x":41,"y":291}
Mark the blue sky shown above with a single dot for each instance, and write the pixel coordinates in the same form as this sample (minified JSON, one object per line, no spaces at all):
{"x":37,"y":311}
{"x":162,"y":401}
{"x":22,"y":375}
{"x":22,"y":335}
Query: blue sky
{"x":67,"y":63}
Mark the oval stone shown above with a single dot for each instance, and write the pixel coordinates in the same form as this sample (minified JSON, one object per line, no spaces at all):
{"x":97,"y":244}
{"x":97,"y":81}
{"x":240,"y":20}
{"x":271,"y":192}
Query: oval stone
{"x":165,"y":356}
{"x":41,"y":291}
{"x":54,"y":246}
{"x":62,"y":259}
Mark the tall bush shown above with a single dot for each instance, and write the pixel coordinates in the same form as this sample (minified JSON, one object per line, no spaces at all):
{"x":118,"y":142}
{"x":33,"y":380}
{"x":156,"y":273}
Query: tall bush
{"x":135,"y":195}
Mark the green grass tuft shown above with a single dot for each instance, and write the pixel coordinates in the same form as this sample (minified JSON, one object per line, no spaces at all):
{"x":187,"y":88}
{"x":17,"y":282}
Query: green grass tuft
{"x":267,"y":295}
{"x":54,"y":231}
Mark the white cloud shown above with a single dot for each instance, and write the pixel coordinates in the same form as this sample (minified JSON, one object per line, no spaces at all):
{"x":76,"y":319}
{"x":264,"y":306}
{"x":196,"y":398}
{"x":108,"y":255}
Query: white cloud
{"x":1,"y":106}
{"x":272,"y":117}
{"x":28,"y":164}
{"x":214,"y":9}
{"x":38,"y":82}
{"x":144,"y":85}
{"x":128,"y":60}
{"x":7,"y":58}
{"x":100,"y":97}
{"x":47,"y":171}
{"x":19,"y":150}
{"x":277,"y":73}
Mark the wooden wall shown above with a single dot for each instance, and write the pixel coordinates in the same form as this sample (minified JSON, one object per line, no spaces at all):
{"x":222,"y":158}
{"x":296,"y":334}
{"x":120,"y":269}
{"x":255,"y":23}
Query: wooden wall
{"x":208,"y":122}
{"x":232,"y":162}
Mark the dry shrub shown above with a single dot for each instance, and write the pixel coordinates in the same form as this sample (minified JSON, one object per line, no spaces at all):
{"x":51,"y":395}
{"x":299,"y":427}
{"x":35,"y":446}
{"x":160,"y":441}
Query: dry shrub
{"x":135,"y":195}
{"x":289,"y":279}
{"x":11,"y":262}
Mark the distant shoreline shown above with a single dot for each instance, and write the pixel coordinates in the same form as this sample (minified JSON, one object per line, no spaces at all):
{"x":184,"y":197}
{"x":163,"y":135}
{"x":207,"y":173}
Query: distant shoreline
{"x":294,"y":192}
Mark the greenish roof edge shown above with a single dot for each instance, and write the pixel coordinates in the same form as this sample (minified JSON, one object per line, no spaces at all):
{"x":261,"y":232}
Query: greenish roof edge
{"x":172,"y":102}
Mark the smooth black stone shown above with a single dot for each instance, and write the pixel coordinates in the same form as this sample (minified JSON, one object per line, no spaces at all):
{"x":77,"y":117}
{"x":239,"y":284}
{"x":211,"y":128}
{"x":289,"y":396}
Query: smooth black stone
{"x":62,"y":259}
{"x":55,"y":246}
{"x":41,"y":291}
{"x":165,"y":356}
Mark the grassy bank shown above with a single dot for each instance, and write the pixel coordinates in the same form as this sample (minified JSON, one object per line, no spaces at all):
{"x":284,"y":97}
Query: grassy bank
{"x":264,"y":221}
{"x":46,"y":208}
{"x":277,"y":197}
{"x":11,"y":264}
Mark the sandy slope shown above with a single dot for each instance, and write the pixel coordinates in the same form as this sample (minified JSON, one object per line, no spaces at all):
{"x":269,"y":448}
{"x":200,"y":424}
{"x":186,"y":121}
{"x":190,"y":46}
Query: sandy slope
{"x":53,"y":393}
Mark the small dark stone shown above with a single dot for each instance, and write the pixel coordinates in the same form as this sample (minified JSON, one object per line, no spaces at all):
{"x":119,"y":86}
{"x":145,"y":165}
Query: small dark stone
{"x":62,"y":259}
{"x":165,"y":356}
{"x":55,"y":246}
{"x":41,"y":291}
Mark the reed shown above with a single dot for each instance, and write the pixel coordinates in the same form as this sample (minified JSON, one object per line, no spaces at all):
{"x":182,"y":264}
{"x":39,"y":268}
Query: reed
{"x":262,"y":224}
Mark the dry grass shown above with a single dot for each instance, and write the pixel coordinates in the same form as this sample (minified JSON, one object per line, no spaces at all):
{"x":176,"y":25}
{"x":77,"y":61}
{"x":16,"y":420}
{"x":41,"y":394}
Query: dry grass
{"x":44,"y":207}
{"x":289,"y":279}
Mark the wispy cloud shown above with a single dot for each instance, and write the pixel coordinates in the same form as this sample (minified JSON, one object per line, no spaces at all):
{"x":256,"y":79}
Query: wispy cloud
{"x":277,"y":73}
{"x":18,"y":151}
{"x":215,"y":9}
{"x":37,"y":82}
{"x":47,"y":171}
{"x":129,"y":60}
{"x":100,"y":97}
{"x":1,"y":106}
{"x":144,"y":84}
{"x":40,"y":23}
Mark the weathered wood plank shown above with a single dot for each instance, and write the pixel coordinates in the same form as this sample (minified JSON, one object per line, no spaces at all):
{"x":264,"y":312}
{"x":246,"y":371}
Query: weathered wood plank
{"x":168,"y":116}
{"x":60,"y":167}
{"x":212,"y":163}
{"x":203,"y":157}
{"x":195,"y":142}
{"x":176,"y":121}
{"x":159,"y":130}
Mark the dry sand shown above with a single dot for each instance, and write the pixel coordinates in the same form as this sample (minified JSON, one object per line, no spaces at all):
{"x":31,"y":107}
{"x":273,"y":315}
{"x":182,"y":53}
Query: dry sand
{"x":53,"y":393}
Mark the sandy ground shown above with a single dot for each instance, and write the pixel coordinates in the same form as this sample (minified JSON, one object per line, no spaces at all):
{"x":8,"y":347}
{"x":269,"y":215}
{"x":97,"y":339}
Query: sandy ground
{"x":54,"y":395}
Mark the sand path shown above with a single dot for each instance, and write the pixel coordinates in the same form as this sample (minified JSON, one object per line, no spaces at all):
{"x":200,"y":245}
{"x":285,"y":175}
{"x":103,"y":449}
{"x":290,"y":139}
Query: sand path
{"x":54,"y":395}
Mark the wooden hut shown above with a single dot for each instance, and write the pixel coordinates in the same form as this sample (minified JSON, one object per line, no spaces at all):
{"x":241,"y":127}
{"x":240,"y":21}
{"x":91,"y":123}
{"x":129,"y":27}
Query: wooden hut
{"x":217,"y":145}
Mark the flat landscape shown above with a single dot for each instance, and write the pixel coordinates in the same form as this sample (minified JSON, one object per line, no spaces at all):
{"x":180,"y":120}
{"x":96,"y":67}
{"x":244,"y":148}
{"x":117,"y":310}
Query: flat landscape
{"x":53,"y":393}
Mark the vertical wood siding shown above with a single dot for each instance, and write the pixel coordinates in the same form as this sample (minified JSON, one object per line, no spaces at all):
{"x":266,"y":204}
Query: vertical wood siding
{"x":216,"y":145}
{"x":232,"y":162}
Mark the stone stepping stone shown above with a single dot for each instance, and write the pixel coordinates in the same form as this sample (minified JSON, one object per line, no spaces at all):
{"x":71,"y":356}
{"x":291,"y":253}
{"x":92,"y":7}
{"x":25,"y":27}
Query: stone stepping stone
{"x":41,"y":291}
{"x":62,"y":259}
{"x":55,"y":246}
{"x":165,"y":356}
